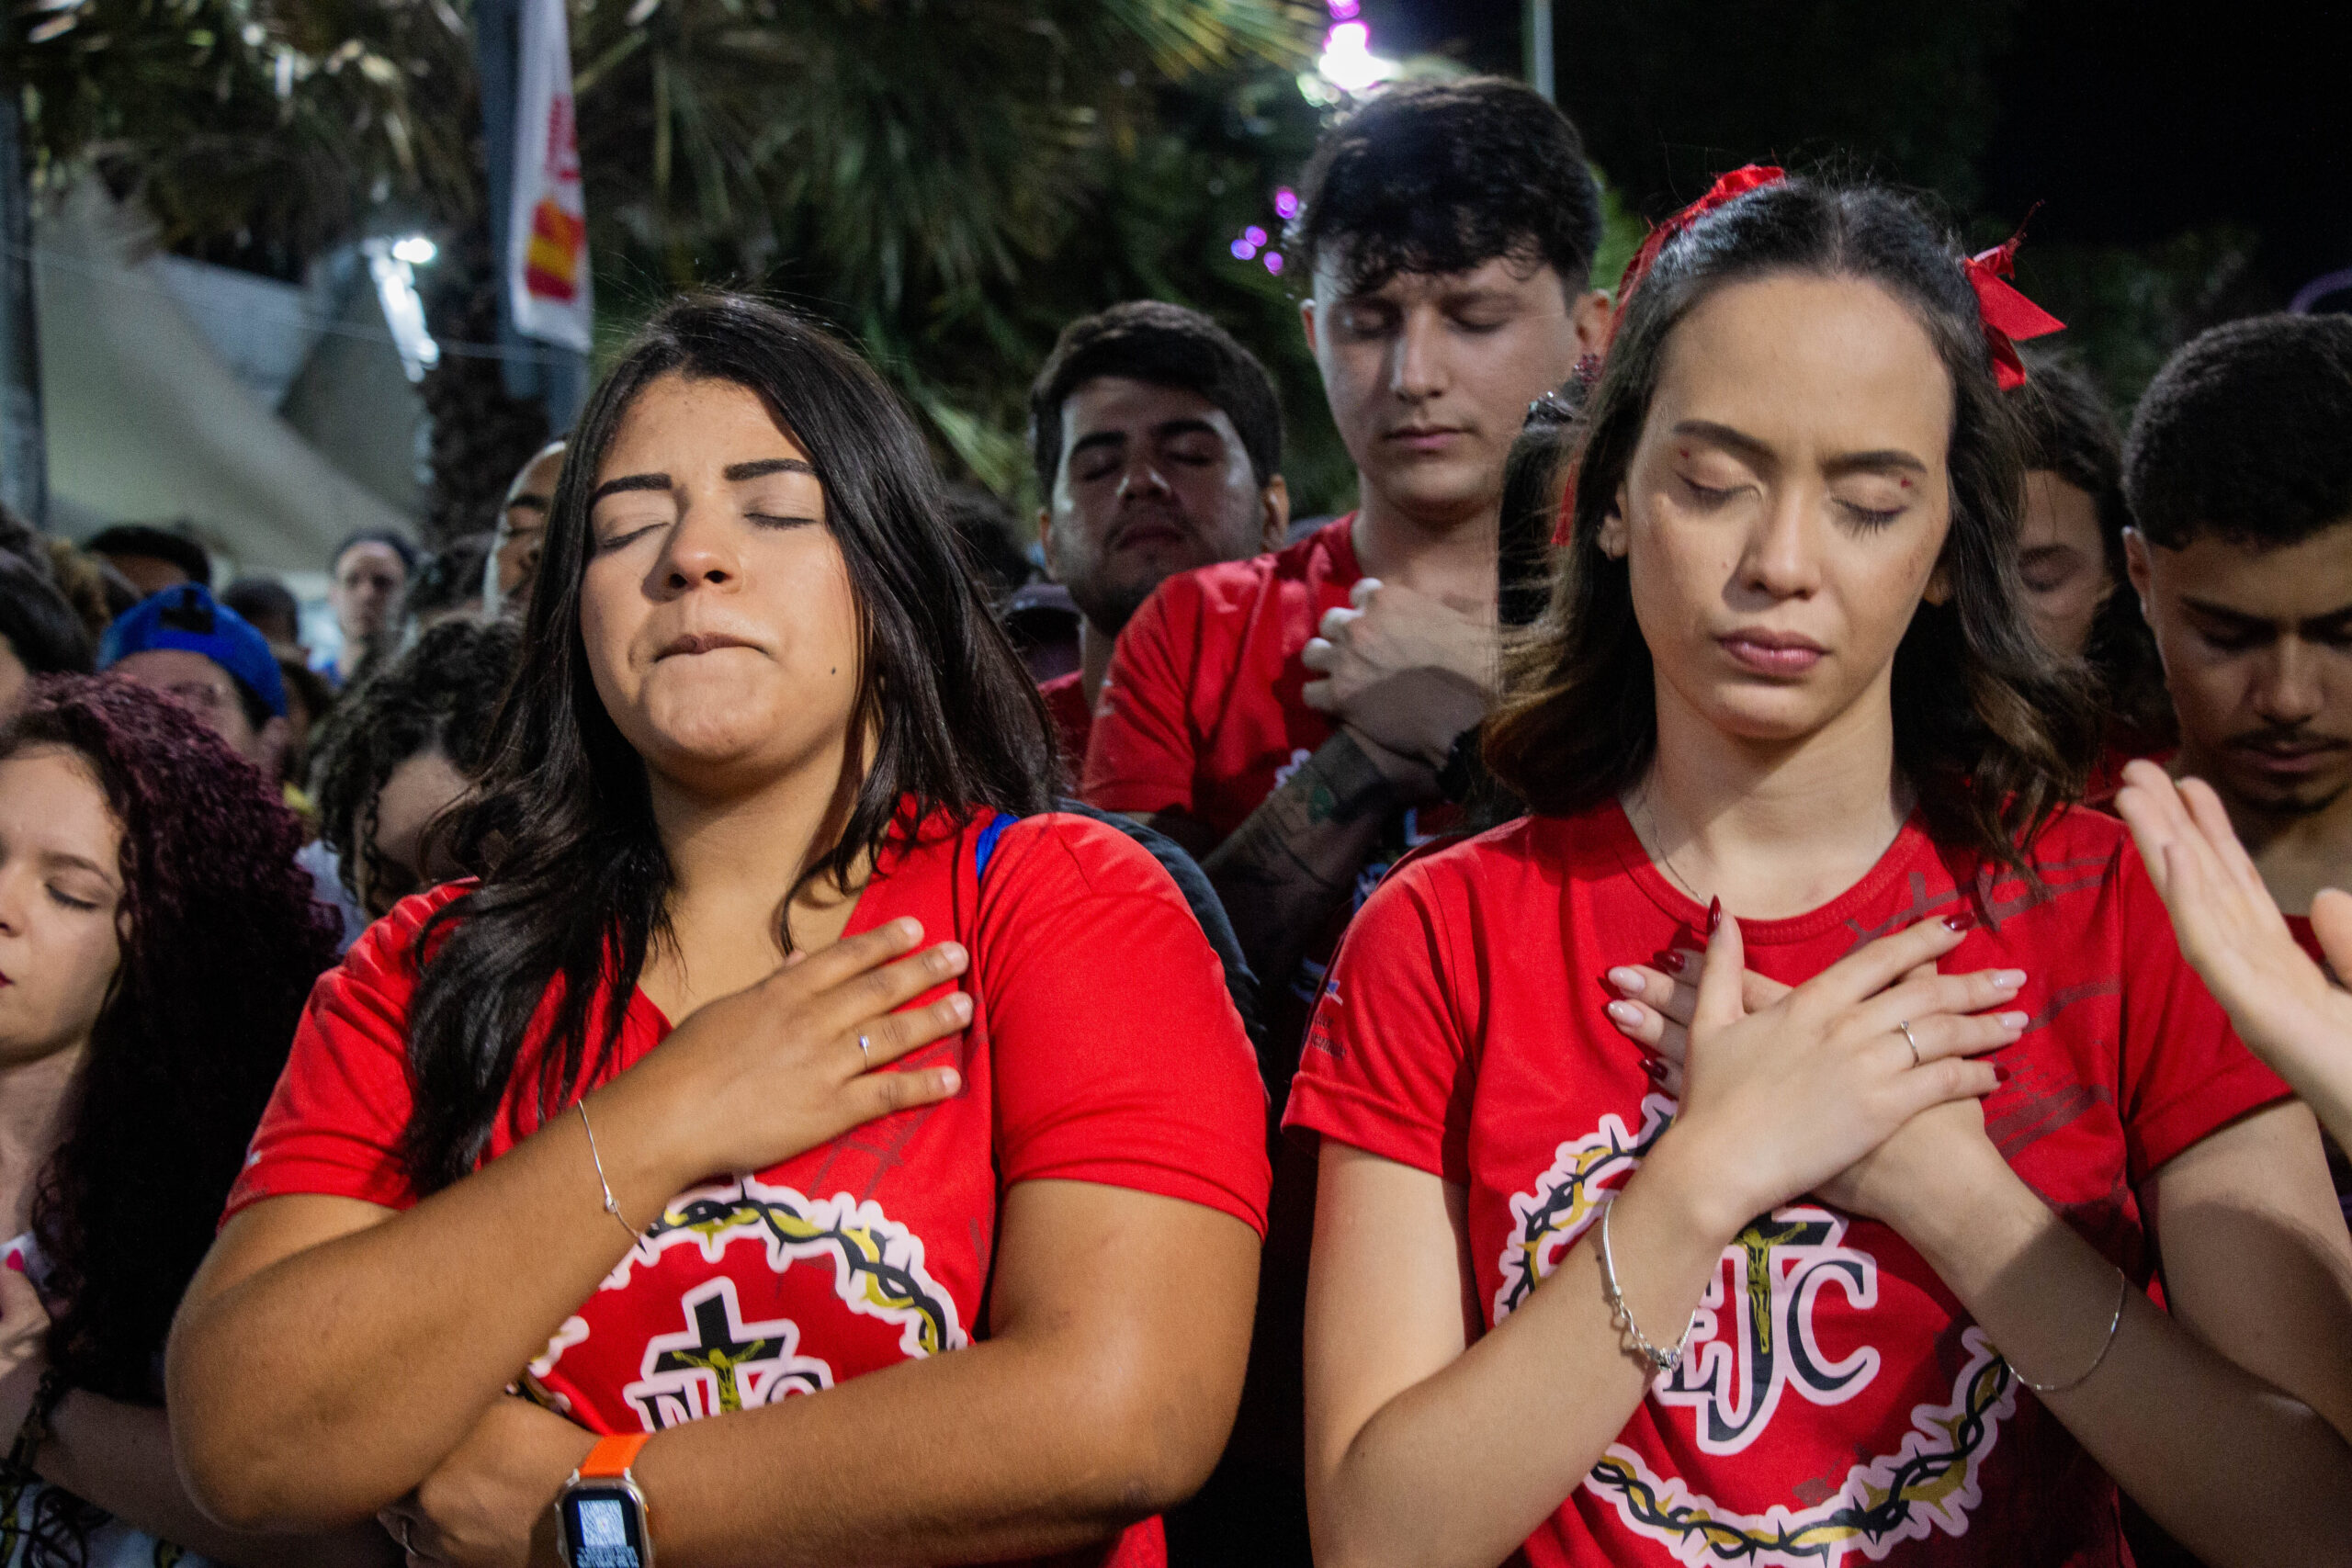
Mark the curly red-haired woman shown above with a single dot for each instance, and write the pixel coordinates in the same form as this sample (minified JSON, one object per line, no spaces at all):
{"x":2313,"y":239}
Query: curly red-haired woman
{"x":156,"y":944}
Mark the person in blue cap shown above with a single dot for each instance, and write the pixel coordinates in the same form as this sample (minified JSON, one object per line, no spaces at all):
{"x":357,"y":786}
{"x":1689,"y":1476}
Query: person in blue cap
{"x":203,"y":655}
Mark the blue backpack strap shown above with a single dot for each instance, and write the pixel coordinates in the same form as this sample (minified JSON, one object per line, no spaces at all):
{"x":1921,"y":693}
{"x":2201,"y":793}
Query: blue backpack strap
{"x":985,"y":846}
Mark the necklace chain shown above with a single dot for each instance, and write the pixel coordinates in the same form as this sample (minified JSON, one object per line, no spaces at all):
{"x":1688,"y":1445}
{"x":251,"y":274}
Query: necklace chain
{"x":1664,"y":861}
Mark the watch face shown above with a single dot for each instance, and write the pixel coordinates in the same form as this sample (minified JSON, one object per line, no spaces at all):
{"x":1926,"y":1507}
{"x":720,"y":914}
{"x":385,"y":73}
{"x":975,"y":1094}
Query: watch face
{"x":604,"y":1526}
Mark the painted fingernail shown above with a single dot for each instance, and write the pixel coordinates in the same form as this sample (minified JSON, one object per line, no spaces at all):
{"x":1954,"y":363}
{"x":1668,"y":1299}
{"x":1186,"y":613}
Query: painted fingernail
{"x":1714,"y":915}
{"x":1963,"y":921}
{"x":2008,"y":979}
{"x":2013,"y":1020}
{"x":1655,"y":1069}
{"x":1625,"y":1013}
{"x":17,"y":1262}
{"x":1674,"y":963}
{"x":1625,"y":978}
{"x":2001,"y":1074}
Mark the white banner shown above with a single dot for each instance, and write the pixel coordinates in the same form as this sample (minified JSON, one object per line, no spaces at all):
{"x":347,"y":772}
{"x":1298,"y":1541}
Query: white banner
{"x":547,"y":234}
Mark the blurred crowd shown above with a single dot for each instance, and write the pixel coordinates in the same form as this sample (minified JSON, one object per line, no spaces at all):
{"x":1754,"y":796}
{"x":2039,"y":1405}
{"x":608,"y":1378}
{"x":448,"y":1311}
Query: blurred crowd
{"x":1776,"y":749}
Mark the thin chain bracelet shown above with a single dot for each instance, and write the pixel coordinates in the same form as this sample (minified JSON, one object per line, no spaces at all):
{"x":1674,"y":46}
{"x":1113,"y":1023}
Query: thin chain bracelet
{"x":2122,"y":1293}
{"x":1621,"y":1316}
{"x":612,"y":1205}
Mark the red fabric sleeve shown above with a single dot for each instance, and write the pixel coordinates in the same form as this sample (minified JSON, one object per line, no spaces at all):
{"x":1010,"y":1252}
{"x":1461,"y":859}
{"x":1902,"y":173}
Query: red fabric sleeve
{"x":1141,"y":756}
{"x":1118,"y":1056}
{"x":1387,"y":1067}
{"x":2186,"y":1075}
{"x":333,"y":1125}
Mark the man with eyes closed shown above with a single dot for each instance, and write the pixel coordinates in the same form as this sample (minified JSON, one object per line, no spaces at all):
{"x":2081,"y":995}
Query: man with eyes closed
{"x":2239,"y":471}
{"x":1158,"y":445}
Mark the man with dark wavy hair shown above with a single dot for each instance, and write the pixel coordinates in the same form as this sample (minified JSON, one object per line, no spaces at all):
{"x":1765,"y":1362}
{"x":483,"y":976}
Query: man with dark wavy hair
{"x":1289,"y":718}
{"x":1293,"y":718}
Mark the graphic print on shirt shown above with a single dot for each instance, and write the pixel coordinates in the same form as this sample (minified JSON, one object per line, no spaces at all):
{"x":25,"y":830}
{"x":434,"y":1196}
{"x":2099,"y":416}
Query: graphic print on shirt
{"x":1750,"y":1344}
{"x":714,"y":1359}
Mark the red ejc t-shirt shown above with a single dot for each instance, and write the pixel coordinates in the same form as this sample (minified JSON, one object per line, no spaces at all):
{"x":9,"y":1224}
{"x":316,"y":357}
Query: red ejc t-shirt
{"x":874,"y":1248}
{"x":1073,"y":720}
{"x":1834,"y":1403}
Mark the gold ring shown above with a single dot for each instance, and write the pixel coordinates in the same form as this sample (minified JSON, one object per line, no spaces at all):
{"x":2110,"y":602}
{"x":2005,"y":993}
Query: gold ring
{"x":1909,"y":1039}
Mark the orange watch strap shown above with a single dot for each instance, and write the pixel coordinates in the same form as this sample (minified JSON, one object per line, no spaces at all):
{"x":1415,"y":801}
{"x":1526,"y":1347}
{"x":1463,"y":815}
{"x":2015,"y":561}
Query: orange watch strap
{"x":611,"y":1458}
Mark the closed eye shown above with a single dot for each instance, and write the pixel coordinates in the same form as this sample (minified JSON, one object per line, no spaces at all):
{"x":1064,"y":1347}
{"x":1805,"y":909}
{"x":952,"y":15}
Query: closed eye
{"x":1869,"y":516}
{"x":71,"y":902}
{"x":628,"y":536}
{"x":773,"y":520}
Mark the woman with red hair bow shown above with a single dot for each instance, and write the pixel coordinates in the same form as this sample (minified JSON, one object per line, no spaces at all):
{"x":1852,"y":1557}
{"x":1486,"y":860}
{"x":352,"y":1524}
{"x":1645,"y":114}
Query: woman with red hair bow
{"x":1804,"y":961}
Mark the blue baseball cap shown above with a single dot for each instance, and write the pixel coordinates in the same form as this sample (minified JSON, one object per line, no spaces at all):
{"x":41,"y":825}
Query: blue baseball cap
{"x":185,"y":617}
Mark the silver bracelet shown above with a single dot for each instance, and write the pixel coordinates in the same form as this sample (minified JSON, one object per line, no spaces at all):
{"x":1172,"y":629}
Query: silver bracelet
{"x":1621,"y":1316}
{"x":612,"y":1205}
{"x":2122,"y":1292}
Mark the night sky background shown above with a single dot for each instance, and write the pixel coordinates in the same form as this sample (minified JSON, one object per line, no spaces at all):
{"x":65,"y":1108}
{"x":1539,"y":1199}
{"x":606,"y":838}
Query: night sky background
{"x":2192,"y":163}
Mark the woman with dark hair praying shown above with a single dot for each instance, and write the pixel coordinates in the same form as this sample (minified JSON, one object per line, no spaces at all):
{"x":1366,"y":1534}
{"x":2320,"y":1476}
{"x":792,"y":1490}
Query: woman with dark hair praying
{"x":156,"y":944}
{"x":1804,"y":961}
{"x":799,"y":1145}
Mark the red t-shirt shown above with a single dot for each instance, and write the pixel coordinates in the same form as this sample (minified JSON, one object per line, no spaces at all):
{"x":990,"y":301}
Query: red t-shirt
{"x":874,"y":1248}
{"x":1073,"y":720}
{"x":1834,"y":1402}
{"x":1201,"y":712}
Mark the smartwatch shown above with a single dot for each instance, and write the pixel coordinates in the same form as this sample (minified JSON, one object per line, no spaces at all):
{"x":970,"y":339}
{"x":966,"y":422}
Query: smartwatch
{"x":599,"y":1514}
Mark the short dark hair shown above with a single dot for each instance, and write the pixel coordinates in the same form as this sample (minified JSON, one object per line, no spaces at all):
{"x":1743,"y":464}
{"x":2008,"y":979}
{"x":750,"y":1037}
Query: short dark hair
{"x":1444,"y":176}
{"x":260,"y":599}
{"x":2246,"y":433}
{"x":398,"y":544}
{"x":1992,"y":730}
{"x":167,"y":543}
{"x":2069,"y":431}
{"x":46,"y":637}
{"x":1165,"y":346}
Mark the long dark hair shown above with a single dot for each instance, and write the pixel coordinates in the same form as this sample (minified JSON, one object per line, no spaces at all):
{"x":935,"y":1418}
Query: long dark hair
{"x":1991,"y":730}
{"x":220,"y":941}
{"x":574,"y":879}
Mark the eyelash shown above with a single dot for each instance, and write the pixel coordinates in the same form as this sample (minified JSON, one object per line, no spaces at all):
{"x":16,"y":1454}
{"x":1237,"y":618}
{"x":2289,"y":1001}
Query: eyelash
{"x":1869,"y":518}
{"x":71,"y":903}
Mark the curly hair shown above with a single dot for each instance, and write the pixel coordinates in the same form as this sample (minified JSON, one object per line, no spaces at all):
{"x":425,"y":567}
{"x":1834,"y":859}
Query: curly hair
{"x":2246,"y":434}
{"x":1993,"y":730}
{"x":220,"y":941}
{"x":440,"y":694}
{"x":1444,"y":176}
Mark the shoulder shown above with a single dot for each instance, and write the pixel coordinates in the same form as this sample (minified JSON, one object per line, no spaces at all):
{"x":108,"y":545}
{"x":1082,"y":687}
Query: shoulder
{"x":2079,"y":847}
{"x":386,"y":952}
{"x":1234,"y":587}
{"x":1060,"y":851}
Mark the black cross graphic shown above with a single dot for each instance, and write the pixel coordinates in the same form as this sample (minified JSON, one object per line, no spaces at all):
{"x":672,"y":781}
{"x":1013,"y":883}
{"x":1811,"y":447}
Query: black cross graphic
{"x":720,"y":1352}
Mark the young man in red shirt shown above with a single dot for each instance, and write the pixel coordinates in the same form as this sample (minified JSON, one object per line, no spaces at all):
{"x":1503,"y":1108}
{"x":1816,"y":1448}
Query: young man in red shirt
{"x":2239,"y":472}
{"x":1158,"y":442}
{"x":1284,"y":717}
{"x":1288,"y":718}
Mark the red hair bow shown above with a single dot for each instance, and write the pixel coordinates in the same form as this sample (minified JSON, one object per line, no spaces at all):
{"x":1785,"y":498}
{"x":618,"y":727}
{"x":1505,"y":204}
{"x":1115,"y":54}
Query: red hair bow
{"x":2008,"y":315}
{"x":1737,"y":183}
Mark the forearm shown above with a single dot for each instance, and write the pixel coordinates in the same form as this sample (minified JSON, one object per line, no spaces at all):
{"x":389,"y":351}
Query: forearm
{"x":2238,"y":1472}
{"x":999,"y":1451}
{"x":1465,"y":1465}
{"x":120,"y":1456}
{"x":329,"y":1383}
{"x":1292,"y":863}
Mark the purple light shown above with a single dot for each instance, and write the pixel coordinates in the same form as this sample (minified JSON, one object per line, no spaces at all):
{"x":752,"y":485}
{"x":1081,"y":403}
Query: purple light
{"x":1343,"y":9}
{"x":1286,"y":203}
{"x":1274,"y":263}
{"x":1255,"y":236}
{"x":1243,"y":250}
